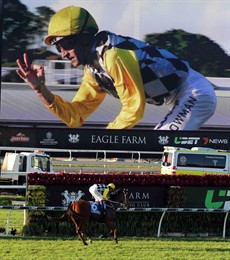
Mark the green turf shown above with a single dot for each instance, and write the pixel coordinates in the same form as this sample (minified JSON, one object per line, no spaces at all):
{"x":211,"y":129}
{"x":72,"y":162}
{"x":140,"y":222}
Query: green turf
{"x":16,"y":219}
{"x":26,"y":248}
{"x":128,"y":248}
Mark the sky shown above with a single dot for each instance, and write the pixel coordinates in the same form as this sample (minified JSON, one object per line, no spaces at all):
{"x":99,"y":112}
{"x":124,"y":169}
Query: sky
{"x":136,"y":18}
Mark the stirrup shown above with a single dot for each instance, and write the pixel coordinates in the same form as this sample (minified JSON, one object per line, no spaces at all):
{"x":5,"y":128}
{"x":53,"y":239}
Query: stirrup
{"x":103,"y":212}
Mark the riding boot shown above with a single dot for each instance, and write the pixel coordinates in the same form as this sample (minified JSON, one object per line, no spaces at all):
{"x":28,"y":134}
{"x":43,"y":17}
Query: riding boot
{"x":103,"y":208}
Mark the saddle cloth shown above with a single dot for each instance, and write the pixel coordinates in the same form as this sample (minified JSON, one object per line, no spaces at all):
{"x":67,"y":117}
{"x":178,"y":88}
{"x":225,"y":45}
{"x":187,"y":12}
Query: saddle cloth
{"x":95,"y":207}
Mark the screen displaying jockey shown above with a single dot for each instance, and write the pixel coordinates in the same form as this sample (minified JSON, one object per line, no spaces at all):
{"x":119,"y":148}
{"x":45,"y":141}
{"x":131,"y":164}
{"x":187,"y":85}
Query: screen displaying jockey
{"x":132,"y":70}
{"x":101,"y":192}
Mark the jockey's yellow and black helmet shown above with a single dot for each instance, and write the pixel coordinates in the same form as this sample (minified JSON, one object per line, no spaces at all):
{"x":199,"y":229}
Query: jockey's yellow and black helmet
{"x":112,"y":186}
{"x":68,"y":21}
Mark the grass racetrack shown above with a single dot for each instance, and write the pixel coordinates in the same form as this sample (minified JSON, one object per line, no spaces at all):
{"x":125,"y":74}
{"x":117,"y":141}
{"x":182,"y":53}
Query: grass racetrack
{"x":19,"y":248}
{"x":133,"y":248}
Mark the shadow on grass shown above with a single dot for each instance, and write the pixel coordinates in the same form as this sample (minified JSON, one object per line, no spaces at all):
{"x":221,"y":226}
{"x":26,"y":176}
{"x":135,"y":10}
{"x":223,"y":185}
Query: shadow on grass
{"x":177,"y":239}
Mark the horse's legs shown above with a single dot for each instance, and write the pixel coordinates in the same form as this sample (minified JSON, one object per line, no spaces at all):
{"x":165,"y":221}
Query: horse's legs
{"x":80,"y":233}
{"x":83,"y":228}
{"x":115,"y":235}
{"x":113,"y":230}
{"x":79,"y":230}
{"x":87,"y":237}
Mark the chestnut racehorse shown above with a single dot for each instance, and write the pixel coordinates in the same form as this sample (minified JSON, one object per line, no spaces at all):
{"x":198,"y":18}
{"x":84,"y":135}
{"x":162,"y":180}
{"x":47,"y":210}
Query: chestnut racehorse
{"x":80,"y":214}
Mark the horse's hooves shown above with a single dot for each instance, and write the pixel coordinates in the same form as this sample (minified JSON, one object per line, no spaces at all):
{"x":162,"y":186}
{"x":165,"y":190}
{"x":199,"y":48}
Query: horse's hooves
{"x":85,"y":244}
{"x":102,"y":236}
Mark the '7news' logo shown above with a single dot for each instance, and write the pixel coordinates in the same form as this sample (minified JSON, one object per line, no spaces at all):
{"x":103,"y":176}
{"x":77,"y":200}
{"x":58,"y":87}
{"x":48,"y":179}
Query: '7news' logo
{"x":186,"y":140}
{"x":207,"y":141}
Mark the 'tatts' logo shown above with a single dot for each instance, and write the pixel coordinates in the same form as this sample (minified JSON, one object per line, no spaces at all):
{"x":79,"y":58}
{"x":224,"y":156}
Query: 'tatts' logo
{"x":186,"y":140}
{"x":74,"y":138}
{"x":163,"y":140}
{"x":222,"y":199}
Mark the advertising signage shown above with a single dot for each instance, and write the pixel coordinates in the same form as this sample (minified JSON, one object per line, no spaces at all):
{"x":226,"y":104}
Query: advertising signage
{"x":139,"y":196}
{"x":17,"y":137}
{"x":146,"y":196}
{"x":98,"y":139}
{"x":207,"y":197}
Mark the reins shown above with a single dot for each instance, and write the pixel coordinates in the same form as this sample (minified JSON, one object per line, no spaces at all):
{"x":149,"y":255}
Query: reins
{"x":116,"y":202}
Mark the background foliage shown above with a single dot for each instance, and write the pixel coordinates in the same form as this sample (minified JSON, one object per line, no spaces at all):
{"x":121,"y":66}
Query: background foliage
{"x":129,"y":179}
{"x":202,"y":53}
{"x":22,"y":29}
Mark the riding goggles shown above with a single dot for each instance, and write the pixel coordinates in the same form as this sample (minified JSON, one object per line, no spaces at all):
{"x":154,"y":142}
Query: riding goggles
{"x":66,"y":43}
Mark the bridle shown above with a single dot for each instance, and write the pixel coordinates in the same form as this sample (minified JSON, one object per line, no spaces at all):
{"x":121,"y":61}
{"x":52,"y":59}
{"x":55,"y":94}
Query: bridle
{"x":123,"y":204}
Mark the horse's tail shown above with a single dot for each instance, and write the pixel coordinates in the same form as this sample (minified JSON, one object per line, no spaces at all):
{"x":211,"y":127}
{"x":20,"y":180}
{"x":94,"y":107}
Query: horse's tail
{"x":58,"y":220}
{"x":72,"y":212}
{"x":62,"y":218}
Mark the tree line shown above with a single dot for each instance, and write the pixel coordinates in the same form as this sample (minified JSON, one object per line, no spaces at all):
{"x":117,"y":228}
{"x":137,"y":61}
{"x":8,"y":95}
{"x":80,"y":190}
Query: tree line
{"x":203,"y":54}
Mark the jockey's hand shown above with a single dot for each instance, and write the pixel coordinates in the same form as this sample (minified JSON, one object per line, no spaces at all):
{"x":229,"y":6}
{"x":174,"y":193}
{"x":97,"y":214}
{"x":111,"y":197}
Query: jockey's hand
{"x":35,"y":76}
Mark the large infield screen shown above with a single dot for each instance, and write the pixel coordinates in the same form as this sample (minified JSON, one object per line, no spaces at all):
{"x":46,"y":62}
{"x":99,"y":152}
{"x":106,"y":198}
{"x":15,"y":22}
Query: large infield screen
{"x":25,"y":25}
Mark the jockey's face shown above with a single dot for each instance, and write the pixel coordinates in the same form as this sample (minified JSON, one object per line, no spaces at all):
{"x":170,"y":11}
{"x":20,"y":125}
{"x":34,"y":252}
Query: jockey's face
{"x":75,"y":49}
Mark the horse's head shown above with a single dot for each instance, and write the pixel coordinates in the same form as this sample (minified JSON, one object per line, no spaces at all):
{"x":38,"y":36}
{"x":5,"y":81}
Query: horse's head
{"x":120,"y":196}
{"x":126,"y":198}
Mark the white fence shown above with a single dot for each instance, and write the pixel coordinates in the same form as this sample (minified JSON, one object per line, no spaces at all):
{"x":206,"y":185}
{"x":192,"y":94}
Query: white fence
{"x":134,"y":160}
{"x":54,"y":75}
{"x":163,"y":210}
{"x":179,"y":210}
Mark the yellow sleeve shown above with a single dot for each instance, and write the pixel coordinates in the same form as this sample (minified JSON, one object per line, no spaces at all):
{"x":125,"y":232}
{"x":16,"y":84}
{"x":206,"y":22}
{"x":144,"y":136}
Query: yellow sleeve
{"x":86,"y":101}
{"x":123,"y":67}
{"x":105,"y":194}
